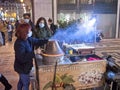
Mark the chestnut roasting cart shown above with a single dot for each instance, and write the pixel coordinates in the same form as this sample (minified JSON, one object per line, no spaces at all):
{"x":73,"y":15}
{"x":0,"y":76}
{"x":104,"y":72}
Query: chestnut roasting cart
{"x":82,"y":73}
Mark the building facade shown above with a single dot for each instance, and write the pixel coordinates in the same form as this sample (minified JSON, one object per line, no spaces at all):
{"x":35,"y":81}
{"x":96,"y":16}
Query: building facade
{"x":105,"y":11}
{"x":10,"y":9}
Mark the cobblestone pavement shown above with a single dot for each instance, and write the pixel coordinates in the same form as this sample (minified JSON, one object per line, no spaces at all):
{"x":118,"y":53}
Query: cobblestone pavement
{"x":7,"y":59}
{"x":6,"y":64}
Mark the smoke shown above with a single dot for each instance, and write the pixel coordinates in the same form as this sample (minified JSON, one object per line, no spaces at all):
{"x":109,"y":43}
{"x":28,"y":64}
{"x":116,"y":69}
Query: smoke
{"x":77,"y":33}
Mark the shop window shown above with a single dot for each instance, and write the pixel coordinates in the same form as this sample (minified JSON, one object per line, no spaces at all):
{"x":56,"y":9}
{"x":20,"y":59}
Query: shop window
{"x":103,"y":9}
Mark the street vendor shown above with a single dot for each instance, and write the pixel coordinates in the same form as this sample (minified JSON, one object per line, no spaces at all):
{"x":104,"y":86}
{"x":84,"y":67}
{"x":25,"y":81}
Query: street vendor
{"x":24,"y":54}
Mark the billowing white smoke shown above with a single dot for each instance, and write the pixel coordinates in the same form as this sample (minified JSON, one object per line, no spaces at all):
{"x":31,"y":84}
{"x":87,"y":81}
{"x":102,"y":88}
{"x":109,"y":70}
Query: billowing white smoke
{"x":77,"y":33}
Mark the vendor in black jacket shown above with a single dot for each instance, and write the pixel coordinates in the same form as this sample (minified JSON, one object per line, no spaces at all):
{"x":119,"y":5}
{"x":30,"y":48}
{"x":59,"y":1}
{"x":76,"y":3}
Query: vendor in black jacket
{"x":24,"y":54}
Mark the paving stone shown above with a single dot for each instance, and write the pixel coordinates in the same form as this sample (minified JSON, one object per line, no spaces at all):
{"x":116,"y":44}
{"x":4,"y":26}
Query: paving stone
{"x":6,"y":65}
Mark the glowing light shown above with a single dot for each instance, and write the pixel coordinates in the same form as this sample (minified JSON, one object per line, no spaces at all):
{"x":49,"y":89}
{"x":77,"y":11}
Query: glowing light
{"x":5,"y":14}
{"x":13,"y":14}
{"x":6,"y":10}
{"x":67,"y":17}
{"x":24,"y":9}
{"x":1,"y":8}
{"x":91,"y":22}
{"x":21,"y":1}
{"x":23,"y":5}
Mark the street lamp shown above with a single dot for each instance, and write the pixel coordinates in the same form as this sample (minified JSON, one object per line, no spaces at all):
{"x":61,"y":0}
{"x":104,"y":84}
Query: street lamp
{"x":1,"y":8}
{"x":21,"y":1}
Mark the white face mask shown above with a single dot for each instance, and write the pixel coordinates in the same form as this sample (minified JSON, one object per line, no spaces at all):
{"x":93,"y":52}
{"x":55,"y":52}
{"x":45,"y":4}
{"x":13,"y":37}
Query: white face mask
{"x":29,"y":34}
{"x":26,"y":20}
{"x":41,"y":25}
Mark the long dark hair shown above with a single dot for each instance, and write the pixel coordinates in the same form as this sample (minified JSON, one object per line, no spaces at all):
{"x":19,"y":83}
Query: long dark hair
{"x":38,"y":21}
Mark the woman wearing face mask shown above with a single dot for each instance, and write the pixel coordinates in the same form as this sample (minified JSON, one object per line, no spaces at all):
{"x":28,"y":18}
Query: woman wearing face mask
{"x":24,"y":54}
{"x":42,"y":30}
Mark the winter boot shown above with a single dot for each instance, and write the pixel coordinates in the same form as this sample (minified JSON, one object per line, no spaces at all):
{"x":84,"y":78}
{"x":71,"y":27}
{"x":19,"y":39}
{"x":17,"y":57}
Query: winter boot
{"x":4,"y":81}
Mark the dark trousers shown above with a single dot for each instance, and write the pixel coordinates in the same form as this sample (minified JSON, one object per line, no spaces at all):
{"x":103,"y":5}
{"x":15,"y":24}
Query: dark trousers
{"x":4,"y":81}
{"x":10,"y":36}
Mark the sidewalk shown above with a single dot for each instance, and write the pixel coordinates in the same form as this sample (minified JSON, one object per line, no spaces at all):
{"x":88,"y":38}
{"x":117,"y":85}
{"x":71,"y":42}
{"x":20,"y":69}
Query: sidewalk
{"x":6,"y":65}
{"x":7,"y":58}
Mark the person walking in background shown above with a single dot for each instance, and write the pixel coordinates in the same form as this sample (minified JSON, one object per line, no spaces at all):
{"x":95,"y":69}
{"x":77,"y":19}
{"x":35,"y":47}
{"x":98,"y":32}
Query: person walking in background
{"x":24,"y":54}
{"x":5,"y":82}
{"x":53,"y":27}
{"x":16,"y":24}
{"x":2,"y":30}
{"x":10,"y":28}
{"x":27,"y":19}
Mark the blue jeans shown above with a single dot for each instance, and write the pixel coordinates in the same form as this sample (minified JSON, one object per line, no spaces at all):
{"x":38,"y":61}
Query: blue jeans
{"x":24,"y":82}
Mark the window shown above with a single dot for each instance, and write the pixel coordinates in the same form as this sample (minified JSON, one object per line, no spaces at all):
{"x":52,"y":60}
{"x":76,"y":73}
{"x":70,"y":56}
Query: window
{"x":67,"y":1}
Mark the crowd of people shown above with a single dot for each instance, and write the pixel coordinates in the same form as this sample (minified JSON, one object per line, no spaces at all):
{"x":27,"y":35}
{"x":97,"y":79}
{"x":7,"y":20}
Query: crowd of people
{"x":28,"y":38}
{"x":45,"y":29}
